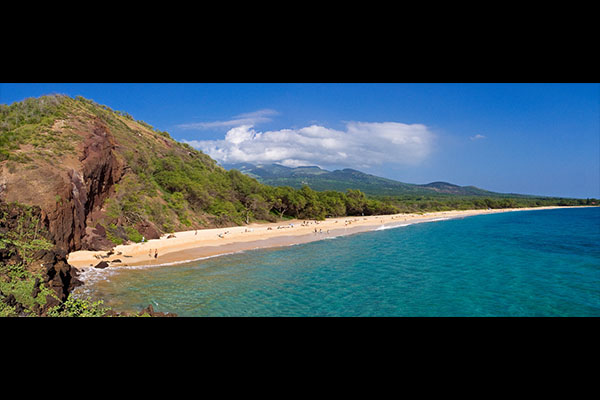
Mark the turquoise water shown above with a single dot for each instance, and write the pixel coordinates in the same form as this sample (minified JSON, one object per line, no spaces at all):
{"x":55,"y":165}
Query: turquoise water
{"x":527,"y":263}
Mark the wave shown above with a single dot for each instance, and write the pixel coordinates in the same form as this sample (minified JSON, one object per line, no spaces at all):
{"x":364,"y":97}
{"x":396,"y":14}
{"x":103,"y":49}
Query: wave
{"x":145,"y":266}
{"x":90,"y":275}
{"x":386,"y":227}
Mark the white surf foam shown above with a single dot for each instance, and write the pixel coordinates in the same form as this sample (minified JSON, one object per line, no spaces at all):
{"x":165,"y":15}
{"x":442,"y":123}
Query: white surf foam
{"x":386,"y":227}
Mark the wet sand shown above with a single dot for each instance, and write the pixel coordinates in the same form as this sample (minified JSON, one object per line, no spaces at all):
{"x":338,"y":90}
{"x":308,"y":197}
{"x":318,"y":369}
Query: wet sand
{"x":191,"y":245}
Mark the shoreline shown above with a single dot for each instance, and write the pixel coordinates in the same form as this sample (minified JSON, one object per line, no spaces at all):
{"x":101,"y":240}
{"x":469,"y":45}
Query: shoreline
{"x":188,"y":246}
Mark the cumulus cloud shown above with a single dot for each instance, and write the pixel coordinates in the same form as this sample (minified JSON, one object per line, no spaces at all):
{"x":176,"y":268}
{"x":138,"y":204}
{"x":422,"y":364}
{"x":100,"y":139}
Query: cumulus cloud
{"x":477,"y":137}
{"x":251,"y":118}
{"x":360,"y":144}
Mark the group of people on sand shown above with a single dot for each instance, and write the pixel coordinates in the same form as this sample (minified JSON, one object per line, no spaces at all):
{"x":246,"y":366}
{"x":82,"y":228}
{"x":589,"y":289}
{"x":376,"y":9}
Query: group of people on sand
{"x":285,"y":227}
{"x":155,"y":253}
{"x":291,"y":225}
{"x":307,"y":223}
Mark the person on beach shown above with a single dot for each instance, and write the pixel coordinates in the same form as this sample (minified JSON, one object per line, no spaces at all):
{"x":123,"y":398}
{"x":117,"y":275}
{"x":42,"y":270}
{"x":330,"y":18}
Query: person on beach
{"x":156,"y":253}
{"x":150,"y":253}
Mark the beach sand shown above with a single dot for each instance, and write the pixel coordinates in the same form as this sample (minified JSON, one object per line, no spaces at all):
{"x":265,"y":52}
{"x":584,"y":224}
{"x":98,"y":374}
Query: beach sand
{"x":197,"y":244}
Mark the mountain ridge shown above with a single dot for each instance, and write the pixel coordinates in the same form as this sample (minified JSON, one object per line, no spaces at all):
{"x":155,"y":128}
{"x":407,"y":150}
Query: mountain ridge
{"x":349,"y":178}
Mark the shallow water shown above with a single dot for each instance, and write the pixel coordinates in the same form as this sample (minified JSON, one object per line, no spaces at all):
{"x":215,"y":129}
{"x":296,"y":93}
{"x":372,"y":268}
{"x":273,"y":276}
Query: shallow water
{"x":526,"y":263}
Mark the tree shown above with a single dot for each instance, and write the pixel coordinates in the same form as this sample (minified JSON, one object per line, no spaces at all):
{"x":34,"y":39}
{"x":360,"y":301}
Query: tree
{"x":286,"y":199}
{"x":355,"y":202}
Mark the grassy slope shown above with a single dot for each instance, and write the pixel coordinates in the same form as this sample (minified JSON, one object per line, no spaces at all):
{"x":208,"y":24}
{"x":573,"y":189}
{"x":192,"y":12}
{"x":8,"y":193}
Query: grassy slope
{"x":167,"y":183}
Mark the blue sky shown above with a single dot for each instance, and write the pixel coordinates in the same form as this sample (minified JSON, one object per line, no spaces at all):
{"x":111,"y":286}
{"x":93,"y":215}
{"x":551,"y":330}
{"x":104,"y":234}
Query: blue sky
{"x":514,"y":138}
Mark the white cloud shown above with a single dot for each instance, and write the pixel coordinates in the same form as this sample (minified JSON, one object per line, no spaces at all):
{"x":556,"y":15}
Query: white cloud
{"x":251,"y":118}
{"x":361,"y":143}
{"x":477,"y":137}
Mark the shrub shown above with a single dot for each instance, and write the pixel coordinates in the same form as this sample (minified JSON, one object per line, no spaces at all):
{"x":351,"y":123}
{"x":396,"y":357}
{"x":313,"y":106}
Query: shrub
{"x":75,"y":307}
{"x":133,"y":234}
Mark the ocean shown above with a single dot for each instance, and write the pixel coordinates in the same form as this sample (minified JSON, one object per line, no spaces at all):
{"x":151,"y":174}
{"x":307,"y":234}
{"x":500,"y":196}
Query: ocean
{"x":539,"y":263}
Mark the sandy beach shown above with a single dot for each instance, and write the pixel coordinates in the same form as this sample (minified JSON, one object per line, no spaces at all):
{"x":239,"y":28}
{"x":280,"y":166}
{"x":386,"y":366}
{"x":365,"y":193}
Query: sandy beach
{"x":196,"y":244}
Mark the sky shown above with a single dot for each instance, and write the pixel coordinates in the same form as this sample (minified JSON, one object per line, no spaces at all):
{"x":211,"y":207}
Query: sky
{"x":537,"y":138}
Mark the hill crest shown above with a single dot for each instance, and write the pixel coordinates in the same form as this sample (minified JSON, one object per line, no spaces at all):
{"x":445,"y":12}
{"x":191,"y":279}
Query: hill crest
{"x":348,"y":178}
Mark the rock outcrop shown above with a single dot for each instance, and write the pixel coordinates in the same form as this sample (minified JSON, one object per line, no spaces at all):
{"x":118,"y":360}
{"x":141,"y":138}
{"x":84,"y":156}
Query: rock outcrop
{"x":68,"y":193}
{"x":52,"y":265}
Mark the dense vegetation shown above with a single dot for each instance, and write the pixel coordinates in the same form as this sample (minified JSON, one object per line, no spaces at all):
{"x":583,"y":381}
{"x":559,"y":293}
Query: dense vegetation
{"x":229,"y":197}
{"x":234,"y":198}
{"x":22,"y":288}
{"x":21,"y":291}
{"x":410,"y":204}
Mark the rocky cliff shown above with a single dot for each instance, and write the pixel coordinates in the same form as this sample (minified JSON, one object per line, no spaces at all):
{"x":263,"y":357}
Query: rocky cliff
{"x":35,"y":276}
{"x":68,"y":156}
{"x":68,"y":187}
{"x":102,"y":178}
{"x":25,"y":241}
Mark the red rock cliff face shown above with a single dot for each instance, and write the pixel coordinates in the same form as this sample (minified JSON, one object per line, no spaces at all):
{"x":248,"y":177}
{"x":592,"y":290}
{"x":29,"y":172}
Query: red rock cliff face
{"x":68,"y":190}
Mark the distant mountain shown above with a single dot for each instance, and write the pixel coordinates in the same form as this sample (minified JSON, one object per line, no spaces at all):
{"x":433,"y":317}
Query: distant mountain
{"x":341,"y":180}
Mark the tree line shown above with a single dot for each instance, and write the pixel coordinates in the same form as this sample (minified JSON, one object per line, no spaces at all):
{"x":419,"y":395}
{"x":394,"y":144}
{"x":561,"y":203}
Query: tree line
{"x":233,"y":197}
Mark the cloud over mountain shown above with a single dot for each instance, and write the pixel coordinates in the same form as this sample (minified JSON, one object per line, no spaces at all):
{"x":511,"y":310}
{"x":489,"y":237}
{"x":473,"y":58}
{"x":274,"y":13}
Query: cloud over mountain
{"x":361,"y":144}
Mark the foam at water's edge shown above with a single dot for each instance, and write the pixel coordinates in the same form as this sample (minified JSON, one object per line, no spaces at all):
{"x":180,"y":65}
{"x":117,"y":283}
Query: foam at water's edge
{"x":89,"y":275}
{"x":386,"y":227}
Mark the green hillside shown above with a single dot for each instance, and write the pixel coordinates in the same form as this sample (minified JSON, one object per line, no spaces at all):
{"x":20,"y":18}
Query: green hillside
{"x":342,"y":180}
